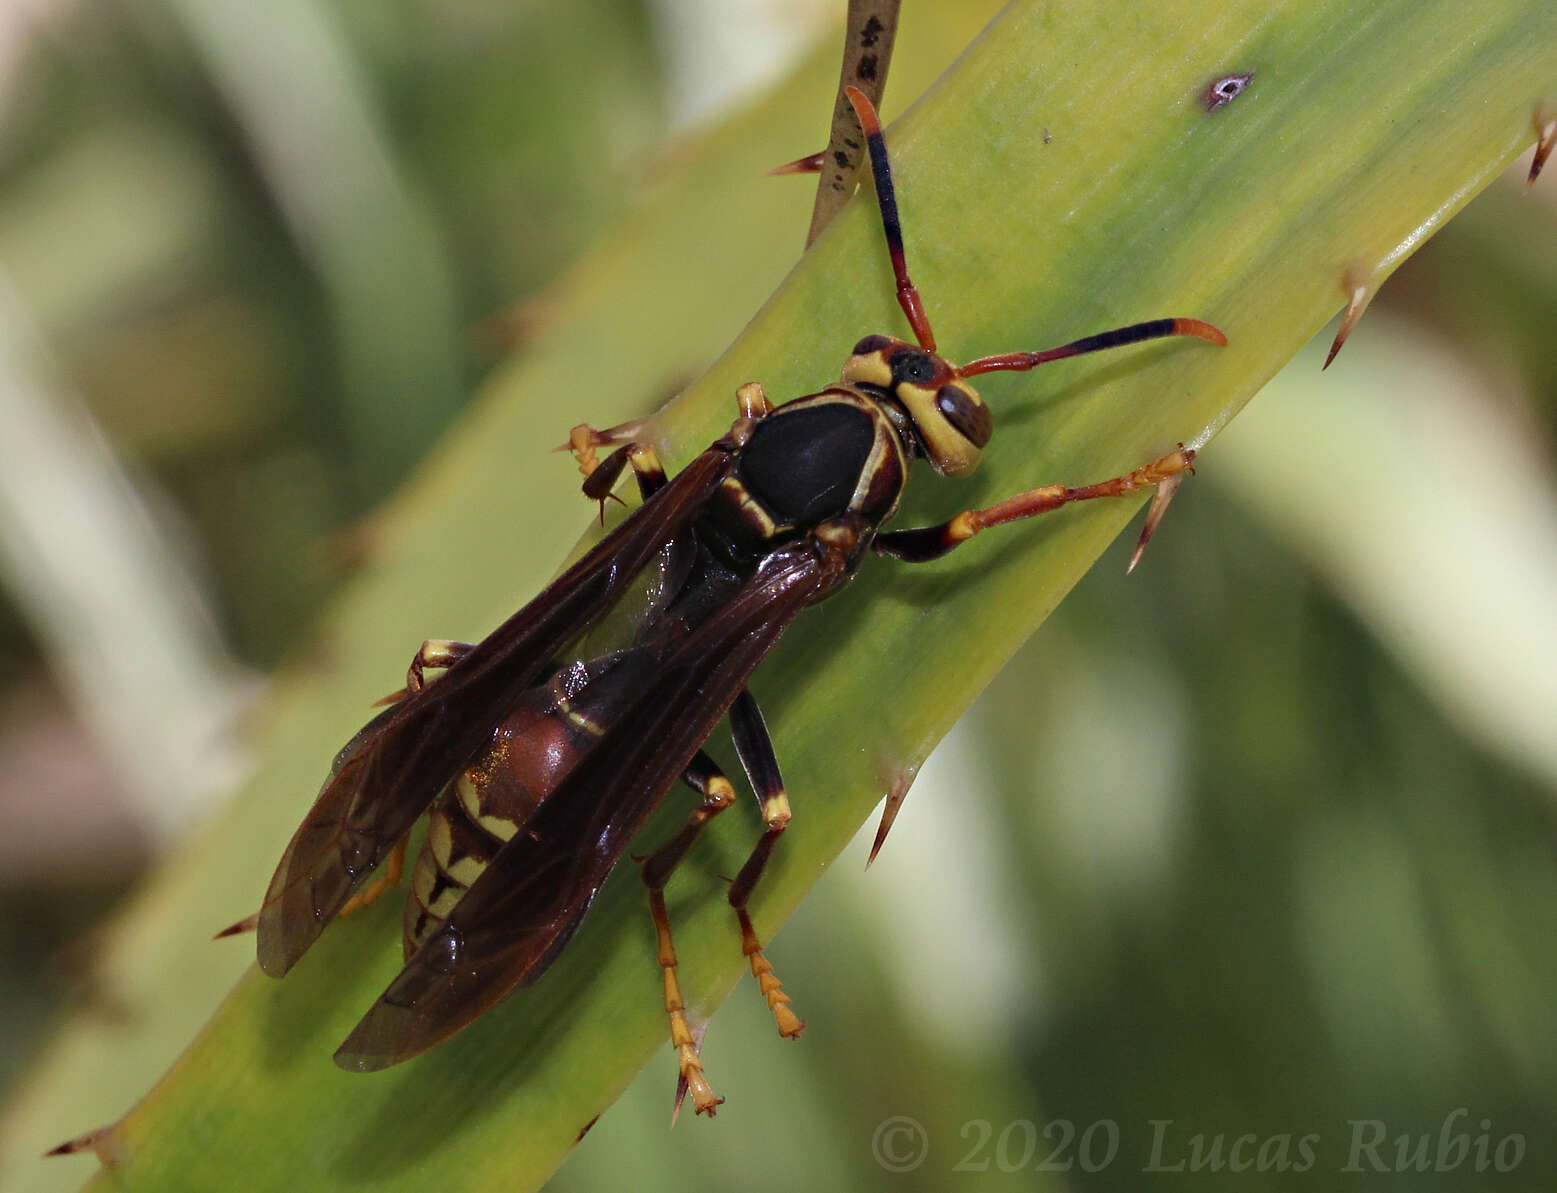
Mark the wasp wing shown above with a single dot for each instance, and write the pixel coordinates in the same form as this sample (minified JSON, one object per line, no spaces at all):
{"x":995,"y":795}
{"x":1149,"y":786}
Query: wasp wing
{"x":399,"y":762}
{"x":519,"y":913}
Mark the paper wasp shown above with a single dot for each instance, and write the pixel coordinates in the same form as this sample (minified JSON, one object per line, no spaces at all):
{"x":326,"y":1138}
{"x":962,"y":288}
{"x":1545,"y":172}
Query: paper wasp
{"x":540,"y":751}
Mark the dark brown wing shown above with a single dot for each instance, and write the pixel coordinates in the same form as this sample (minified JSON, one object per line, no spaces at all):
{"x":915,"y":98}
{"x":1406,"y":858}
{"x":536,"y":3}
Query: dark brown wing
{"x":516,"y":916}
{"x":399,"y":762}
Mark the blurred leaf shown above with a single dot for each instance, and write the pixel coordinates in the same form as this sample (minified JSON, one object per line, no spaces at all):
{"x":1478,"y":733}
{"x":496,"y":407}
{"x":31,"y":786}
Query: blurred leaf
{"x":1437,"y":521}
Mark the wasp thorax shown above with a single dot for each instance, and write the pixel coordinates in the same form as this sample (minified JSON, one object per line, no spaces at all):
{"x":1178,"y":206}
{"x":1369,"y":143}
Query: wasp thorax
{"x":952,"y":422}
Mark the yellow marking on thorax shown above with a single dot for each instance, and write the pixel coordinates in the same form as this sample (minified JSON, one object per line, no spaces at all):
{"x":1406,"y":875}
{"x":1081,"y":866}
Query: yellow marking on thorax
{"x":756,"y":516}
{"x":886,"y":444}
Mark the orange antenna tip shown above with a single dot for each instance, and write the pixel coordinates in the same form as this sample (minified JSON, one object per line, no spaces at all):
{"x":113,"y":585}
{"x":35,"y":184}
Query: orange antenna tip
{"x":1201,"y":330}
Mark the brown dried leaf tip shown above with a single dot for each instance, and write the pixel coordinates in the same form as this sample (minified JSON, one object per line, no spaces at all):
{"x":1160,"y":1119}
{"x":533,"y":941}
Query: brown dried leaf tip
{"x":251,"y":922}
{"x":897,"y":792}
{"x":101,"y":1141}
{"x":1546,"y":140}
{"x":1226,"y":89}
{"x":1360,"y":293}
{"x":810,"y":164}
{"x":1162,"y":496}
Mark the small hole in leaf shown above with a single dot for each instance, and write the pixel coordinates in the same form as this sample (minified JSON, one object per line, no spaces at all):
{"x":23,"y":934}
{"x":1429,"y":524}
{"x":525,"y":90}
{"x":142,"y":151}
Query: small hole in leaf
{"x":1225,"y":90}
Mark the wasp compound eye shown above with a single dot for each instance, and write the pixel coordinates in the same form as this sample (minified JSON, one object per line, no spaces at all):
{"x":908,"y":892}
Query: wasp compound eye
{"x":967,"y":415}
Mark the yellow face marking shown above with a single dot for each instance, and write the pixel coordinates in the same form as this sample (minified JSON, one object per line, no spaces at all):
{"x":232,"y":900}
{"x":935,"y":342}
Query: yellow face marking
{"x":948,"y":450}
{"x":868,"y":368}
{"x":917,"y":384}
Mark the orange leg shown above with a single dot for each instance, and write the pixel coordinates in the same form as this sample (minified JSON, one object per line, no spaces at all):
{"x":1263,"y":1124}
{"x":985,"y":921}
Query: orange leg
{"x":756,"y":750}
{"x":705,"y":777}
{"x":931,"y":542}
{"x":394,"y":866}
{"x":368,"y":895}
{"x":690,"y":1075}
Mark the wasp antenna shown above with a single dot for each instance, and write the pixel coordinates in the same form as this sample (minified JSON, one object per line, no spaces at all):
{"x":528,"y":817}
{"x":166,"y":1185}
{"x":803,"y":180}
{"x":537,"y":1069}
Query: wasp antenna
{"x":1155,"y":329}
{"x":886,"y":199}
{"x":810,"y":164}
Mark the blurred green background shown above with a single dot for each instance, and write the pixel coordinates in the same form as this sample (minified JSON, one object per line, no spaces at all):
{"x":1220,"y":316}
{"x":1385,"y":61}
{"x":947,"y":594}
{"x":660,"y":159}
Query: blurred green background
{"x":1280,"y":863}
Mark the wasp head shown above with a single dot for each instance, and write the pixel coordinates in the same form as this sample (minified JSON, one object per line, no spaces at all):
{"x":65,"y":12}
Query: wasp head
{"x":951,"y":420}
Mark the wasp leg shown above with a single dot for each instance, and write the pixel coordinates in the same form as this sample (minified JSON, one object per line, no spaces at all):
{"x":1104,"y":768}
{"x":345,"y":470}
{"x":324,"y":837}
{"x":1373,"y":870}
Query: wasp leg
{"x":583,"y":439}
{"x":436,"y":654}
{"x":752,"y":400}
{"x":646,"y":465}
{"x":600,"y":476}
{"x":931,"y":542}
{"x":703,"y":776}
{"x":394,"y":866}
{"x":755,"y":748}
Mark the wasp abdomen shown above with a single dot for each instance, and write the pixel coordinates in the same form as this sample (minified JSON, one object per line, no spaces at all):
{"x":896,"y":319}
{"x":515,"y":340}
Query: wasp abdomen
{"x":531,"y":753}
